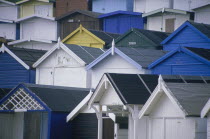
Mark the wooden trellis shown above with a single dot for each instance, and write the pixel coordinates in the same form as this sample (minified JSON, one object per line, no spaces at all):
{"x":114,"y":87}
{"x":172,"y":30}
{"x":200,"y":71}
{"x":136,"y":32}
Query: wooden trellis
{"x":21,"y":100}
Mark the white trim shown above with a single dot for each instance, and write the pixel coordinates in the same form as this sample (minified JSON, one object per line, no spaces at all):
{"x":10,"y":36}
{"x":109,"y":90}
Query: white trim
{"x":28,"y":40}
{"x":23,"y":1}
{"x":34,"y":16}
{"x":55,"y":47}
{"x":162,"y":10}
{"x":4,"y":48}
{"x":7,"y":2}
{"x":205,"y":109}
{"x":81,"y":105}
{"x":161,"y":88}
{"x":97,"y":90}
{"x":6,"y":21}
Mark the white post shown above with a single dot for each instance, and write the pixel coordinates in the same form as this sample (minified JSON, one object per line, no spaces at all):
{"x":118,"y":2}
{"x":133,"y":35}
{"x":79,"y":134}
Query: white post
{"x":135,"y":119}
{"x":100,"y":123}
{"x":113,"y":47}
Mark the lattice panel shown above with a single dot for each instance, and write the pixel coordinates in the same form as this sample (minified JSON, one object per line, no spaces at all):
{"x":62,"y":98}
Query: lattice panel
{"x":21,"y":100}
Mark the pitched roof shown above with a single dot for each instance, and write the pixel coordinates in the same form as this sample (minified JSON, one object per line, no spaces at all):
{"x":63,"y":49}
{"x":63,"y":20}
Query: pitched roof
{"x":155,"y":37}
{"x":119,"y":12}
{"x":188,"y":97}
{"x":105,"y":36}
{"x":198,"y":53}
{"x":28,"y":56}
{"x":204,"y":28}
{"x":136,"y":56}
{"x":205,"y":53}
{"x":136,"y":88}
{"x":87,"y":54}
{"x":164,"y":10}
{"x":59,"y":98}
{"x":130,"y":87}
{"x":200,"y":28}
{"x":4,"y":92}
{"x":85,"y":12}
{"x":142,"y":56}
{"x":34,"y":16}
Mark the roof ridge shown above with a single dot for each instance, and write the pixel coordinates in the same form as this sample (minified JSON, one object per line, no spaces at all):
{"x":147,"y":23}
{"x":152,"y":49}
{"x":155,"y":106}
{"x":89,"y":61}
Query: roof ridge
{"x":86,"y":51}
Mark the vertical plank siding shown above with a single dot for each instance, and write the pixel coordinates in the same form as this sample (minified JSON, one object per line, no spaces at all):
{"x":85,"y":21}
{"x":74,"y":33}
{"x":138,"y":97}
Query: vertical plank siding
{"x":85,"y":125}
{"x":87,"y":22}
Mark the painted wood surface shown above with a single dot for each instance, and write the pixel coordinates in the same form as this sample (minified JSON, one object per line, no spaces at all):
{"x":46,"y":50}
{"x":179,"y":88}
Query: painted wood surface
{"x":182,"y":64}
{"x":166,"y":121}
{"x":8,"y":30}
{"x":113,"y":64}
{"x":208,"y":126}
{"x":122,"y":23}
{"x":106,"y":6}
{"x":13,"y":73}
{"x":88,"y":39}
{"x":201,"y":14}
{"x":38,"y":28}
{"x":61,"y":69}
{"x":69,"y":24}
{"x":85,"y":125}
{"x":158,"y":22}
{"x":189,"y":38}
{"x":36,"y":7}
{"x":8,"y":12}
{"x":35,"y":45}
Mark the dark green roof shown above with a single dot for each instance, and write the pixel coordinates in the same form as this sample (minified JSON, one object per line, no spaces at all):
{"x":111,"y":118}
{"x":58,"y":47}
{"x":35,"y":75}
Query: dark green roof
{"x":141,"y":38}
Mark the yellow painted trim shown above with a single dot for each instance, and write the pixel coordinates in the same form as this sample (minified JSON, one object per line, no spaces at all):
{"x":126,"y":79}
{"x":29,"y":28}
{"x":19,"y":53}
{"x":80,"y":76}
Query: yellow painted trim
{"x":23,"y":1}
{"x":79,"y":29}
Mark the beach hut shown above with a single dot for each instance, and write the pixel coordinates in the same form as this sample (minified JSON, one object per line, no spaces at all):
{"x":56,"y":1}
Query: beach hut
{"x":70,"y":21}
{"x":38,"y":111}
{"x":173,"y":111}
{"x":16,"y":65}
{"x":121,"y":21}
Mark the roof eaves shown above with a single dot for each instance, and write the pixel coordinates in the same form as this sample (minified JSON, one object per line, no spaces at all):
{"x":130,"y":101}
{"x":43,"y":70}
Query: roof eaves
{"x":7,"y":2}
{"x":34,"y":16}
{"x":116,"y":89}
{"x":162,"y":10}
{"x":205,"y":109}
{"x":187,"y":51}
{"x":167,"y":55}
{"x":119,"y":12}
{"x":4,"y":48}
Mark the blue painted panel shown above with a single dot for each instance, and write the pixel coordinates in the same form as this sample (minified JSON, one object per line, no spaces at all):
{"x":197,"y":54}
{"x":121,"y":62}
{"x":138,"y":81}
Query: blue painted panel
{"x":13,"y":73}
{"x":187,"y":37}
{"x":106,"y":6}
{"x":17,"y":31}
{"x":181,"y":63}
{"x":60,"y":129}
{"x":122,"y":23}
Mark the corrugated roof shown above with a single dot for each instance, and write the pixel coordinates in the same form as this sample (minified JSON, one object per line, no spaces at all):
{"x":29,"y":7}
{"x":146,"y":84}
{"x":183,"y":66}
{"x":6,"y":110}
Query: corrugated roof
{"x":191,"y":96}
{"x":205,"y":53}
{"x":85,"y":12}
{"x":143,"y":57}
{"x":87,"y":54}
{"x":105,"y":36}
{"x":29,"y":56}
{"x":203,"y":28}
{"x":58,"y":98}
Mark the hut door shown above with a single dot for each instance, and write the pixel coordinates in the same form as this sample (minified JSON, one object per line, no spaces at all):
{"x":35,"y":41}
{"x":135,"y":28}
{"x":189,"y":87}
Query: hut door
{"x":6,"y":126}
{"x":108,"y":129}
